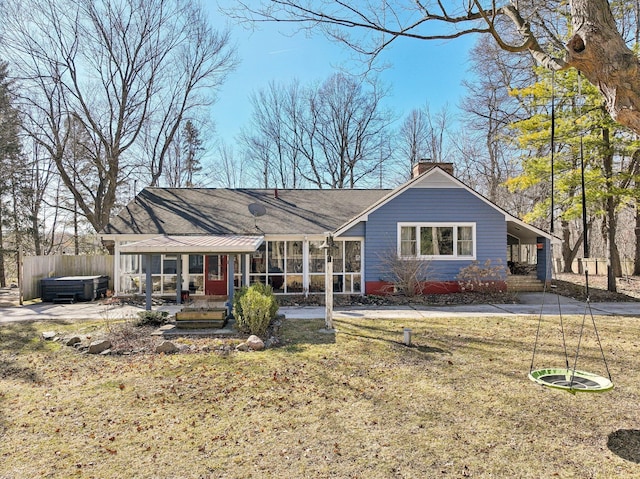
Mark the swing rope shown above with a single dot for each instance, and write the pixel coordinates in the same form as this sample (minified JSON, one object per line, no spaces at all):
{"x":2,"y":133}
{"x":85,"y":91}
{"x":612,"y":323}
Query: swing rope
{"x":542,"y":305}
{"x":549,"y":266}
{"x":557,"y":378}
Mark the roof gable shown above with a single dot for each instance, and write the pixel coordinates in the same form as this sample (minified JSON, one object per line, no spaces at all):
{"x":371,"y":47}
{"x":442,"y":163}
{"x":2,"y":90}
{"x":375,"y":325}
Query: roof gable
{"x":435,"y":177}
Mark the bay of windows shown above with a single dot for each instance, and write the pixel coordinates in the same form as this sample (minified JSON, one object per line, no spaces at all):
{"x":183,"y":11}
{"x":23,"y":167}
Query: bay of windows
{"x":436,"y":240}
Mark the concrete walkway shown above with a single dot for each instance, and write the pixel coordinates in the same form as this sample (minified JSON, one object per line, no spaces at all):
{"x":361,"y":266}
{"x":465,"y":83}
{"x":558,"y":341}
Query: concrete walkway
{"x":530,"y":304}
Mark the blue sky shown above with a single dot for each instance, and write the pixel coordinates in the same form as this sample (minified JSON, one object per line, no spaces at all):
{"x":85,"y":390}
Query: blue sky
{"x":420,"y":71}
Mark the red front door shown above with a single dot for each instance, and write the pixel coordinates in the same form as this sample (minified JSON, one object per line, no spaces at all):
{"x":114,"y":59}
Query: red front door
{"x":216,"y":275}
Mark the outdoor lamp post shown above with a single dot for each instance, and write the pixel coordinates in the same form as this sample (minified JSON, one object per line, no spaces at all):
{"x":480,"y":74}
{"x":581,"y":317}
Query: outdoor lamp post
{"x":328,"y":246}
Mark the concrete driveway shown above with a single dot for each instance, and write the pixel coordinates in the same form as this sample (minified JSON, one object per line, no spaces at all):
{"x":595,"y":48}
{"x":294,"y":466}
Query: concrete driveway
{"x":94,"y":310}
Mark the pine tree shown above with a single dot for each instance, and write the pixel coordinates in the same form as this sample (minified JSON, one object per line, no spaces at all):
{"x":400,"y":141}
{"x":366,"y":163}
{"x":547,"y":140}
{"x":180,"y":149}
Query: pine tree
{"x":585,"y":135}
{"x":192,"y":149}
{"x":10,"y":163}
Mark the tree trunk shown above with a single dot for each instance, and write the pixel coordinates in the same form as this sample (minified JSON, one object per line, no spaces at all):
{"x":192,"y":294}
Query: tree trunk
{"x":598,"y":50}
{"x":569,"y":253}
{"x":614,"y":269}
{"x":636,"y":259}
{"x":3,"y":279}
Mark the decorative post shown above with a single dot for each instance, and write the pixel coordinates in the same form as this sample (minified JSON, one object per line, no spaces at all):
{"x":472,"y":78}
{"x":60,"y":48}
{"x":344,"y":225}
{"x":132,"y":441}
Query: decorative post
{"x":328,"y":246}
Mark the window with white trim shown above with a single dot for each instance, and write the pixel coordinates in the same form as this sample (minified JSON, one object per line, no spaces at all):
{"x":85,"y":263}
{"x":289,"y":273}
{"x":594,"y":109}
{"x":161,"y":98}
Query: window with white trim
{"x":436,"y":240}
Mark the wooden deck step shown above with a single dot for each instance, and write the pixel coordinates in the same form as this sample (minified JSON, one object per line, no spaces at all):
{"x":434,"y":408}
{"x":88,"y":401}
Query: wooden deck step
{"x":211,"y":314}
{"x":201,"y":324}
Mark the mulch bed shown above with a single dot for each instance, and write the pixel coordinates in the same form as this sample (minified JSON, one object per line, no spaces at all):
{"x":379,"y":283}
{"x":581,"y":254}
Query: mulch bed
{"x":394,"y":300}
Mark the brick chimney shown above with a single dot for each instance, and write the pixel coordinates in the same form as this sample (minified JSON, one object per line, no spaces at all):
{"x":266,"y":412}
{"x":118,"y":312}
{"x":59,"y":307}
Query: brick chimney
{"x":425,"y":165}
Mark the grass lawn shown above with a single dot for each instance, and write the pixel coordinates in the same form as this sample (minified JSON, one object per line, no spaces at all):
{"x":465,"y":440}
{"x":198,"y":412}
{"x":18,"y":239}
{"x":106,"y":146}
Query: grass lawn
{"x":358,"y":404}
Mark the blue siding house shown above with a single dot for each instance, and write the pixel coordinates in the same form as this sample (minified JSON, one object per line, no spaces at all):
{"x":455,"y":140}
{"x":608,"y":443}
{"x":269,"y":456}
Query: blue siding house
{"x":211,"y":241}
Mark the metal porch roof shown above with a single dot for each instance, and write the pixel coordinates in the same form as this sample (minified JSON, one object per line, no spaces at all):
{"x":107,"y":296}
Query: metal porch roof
{"x":195,"y":244}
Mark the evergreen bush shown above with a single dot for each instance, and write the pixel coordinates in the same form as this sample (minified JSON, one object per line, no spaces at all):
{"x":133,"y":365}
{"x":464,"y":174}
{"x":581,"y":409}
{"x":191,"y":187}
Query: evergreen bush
{"x":254,"y":308}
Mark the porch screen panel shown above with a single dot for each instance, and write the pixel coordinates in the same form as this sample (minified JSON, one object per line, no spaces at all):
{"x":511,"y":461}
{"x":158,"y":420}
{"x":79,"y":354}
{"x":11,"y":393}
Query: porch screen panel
{"x":352,"y":267}
{"x":257,"y":266}
{"x":276,"y":267}
{"x":130,"y":274}
{"x":156,"y":272}
{"x":196,"y":274}
{"x":169,"y":274}
{"x":316,"y":267}
{"x":338,"y":267}
{"x":294,"y":267}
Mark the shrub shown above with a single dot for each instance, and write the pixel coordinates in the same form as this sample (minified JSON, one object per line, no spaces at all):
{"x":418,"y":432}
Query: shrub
{"x":237,"y":306}
{"x":405,"y":274}
{"x":254,"y":308}
{"x":482,"y":279}
{"x":152,"y":318}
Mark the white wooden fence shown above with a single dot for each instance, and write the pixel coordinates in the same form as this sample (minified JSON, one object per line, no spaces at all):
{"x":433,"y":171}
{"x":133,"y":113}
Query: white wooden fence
{"x":36,"y":268}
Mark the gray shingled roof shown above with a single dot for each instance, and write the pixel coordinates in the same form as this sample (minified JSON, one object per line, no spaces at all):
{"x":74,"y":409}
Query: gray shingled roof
{"x":197,"y":211}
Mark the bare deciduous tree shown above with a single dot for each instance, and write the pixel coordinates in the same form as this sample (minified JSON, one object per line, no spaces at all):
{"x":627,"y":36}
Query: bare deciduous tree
{"x":228,"y":171}
{"x":130,"y":71}
{"x":350,"y":131}
{"x":488,"y":110}
{"x":276,"y":131}
{"x":596,"y":45}
{"x":332,"y":136}
{"x":424,"y":135}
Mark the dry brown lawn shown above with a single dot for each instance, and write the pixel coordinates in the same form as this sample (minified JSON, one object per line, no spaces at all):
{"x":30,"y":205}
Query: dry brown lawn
{"x":358,"y":404}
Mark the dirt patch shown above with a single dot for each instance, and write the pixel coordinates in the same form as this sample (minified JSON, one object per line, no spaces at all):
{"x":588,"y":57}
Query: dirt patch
{"x":574,"y":286}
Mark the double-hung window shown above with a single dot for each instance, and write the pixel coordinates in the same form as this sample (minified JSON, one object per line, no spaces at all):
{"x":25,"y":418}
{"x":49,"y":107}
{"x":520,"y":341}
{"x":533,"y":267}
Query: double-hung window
{"x":436,"y":240}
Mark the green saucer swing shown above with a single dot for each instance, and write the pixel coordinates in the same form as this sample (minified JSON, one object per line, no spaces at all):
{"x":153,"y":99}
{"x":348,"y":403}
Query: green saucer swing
{"x":571,"y":380}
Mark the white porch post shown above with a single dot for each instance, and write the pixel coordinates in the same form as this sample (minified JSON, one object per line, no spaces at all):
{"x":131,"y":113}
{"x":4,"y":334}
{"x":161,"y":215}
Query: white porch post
{"x":328,"y":290}
{"x":328,"y":247}
{"x":149,"y":285}
{"x":116,"y":268}
{"x":230,"y":280}
{"x":178,"y":278}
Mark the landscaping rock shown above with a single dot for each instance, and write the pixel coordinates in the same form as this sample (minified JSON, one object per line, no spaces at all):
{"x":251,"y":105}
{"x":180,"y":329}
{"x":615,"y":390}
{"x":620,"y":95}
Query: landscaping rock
{"x":166,"y":347}
{"x":96,"y":347}
{"x":242,"y":347}
{"x":255,"y":343}
{"x":49,"y":335}
{"x":72,"y":340}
